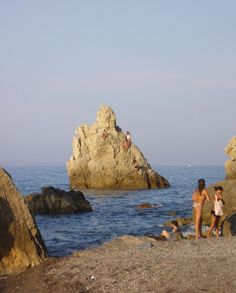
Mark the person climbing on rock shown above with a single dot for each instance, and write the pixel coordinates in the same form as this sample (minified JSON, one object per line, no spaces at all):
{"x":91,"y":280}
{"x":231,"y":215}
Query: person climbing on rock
{"x":127,"y":143}
{"x":105,"y":134}
{"x":136,"y":165}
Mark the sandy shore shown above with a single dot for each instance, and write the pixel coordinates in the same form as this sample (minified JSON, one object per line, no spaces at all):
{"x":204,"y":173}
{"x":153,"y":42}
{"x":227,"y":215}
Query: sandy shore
{"x":135,"y":264}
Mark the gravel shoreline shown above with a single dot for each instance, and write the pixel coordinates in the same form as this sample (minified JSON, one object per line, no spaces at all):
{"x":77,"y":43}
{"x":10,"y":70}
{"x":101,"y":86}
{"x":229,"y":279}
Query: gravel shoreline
{"x":135,"y":264}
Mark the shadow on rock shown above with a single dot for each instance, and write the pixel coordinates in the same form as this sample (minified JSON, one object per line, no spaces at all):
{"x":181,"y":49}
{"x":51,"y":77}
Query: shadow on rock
{"x":6,"y":219}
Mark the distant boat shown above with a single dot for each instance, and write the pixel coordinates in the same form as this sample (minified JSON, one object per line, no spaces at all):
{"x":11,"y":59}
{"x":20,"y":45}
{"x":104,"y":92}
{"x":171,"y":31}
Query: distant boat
{"x":189,"y":165}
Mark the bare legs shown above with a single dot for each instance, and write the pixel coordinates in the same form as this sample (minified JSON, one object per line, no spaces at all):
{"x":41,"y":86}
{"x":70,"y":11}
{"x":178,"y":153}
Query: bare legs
{"x":198,"y":223}
{"x":165,"y":234}
{"x":214,"y":224}
{"x":217,"y":227}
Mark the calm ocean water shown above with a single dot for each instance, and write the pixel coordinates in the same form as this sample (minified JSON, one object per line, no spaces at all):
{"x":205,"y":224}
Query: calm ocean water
{"x":115,"y":213}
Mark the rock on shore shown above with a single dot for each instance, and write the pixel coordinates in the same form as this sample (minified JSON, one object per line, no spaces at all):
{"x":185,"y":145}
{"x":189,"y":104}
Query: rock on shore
{"x":102,"y":160}
{"x":55,"y":201}
{"x":229,"y":225}
{"x":21,"y":244}
{"x":230,"y":165}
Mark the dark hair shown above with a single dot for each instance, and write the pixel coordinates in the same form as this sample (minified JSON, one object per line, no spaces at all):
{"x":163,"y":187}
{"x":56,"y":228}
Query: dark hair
{"x":218,"y":188}
{"x":175,"y":223}
{"x":201,"y":185}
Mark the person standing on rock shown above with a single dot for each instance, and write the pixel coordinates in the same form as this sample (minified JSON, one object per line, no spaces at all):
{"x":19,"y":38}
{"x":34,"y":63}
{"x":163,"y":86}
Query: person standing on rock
{"x":217,"y":211}
{"x":127,"y":140}
{"x":199,"y":197}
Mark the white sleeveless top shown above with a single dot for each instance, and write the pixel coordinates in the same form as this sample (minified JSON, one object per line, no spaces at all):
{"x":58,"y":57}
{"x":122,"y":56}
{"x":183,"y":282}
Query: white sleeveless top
{"x":218,"y":205}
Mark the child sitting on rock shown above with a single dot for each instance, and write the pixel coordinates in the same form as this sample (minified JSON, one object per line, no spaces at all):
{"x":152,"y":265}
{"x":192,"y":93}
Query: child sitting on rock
{"x":176,"y":233}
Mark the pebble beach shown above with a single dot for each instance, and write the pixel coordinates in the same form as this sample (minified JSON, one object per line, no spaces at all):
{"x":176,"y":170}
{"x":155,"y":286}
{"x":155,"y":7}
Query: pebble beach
{"x":135,"y":264}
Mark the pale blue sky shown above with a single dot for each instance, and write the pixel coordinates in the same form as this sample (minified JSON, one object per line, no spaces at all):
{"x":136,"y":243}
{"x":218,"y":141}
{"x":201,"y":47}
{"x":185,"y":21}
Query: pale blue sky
{"x":167,"y":68}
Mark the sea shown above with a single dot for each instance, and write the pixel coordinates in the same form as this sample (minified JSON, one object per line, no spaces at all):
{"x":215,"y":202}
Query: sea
{"x":115,"y":213}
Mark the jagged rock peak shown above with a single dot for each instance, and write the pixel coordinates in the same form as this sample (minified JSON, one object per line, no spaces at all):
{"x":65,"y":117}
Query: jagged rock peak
{"x":104,"y":157}
{"x":106,"y":117}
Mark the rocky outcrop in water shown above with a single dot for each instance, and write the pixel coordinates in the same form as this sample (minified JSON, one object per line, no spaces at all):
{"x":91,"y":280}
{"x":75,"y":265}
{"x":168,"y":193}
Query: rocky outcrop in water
{"x":230,"y":165}
{"x":21,"y":244}
{"x":229,"y":196}
{"x":104,"y":157}
{"x":55,"y":201}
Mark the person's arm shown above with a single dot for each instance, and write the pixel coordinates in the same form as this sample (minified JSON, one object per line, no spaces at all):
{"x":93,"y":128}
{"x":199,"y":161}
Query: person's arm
{"x":194,"y":196}
{"x":221,"y":199}
{"x":207,"y":195}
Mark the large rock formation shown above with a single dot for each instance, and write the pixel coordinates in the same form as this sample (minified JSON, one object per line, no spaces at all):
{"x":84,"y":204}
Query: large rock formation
{"x":55,"y":201}
{"x":103,"y":159}
{"x":21,"y":244}
{"x":230,"y":165}
{"x":229,"y":196}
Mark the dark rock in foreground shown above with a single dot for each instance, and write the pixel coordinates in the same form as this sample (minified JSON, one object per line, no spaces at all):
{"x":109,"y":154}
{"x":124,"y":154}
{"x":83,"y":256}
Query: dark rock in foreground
{"x":229,"y":225}
{"x":21,"y":244}
{"x":53,"y":201}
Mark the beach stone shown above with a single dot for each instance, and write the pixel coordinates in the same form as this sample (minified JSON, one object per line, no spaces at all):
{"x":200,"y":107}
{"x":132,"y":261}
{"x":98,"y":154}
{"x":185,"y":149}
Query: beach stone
{"x":100,"y":159}
{"x":145,"y":205}
{"x":229,"y":225}
{"x":21,"y":244}
{"x":56,"y":201}
{"x":230,"y":165}
{"x":184,"y":221}
{"x":172,"y":213}
{"x":229,"y":197}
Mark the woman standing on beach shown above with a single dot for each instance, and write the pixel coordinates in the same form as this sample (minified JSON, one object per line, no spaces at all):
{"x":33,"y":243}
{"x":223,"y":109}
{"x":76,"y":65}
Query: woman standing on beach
{"x":217,"y":211}
{"x":199,"y":197}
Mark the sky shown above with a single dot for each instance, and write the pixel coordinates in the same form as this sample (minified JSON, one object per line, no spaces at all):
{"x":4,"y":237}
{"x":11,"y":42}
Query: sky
{"x":167,"y":68}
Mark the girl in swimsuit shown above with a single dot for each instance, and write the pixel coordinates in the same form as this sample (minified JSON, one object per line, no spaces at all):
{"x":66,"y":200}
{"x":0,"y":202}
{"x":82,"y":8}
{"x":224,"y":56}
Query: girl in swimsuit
{"x":199,"y":197}
{"x":217,"y":212}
